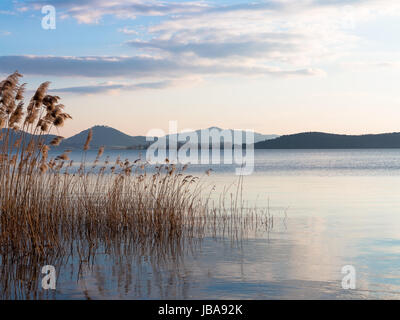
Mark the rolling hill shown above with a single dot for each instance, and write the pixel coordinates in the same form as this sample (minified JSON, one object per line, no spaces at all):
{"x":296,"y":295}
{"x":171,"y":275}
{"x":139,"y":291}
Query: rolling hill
{"x":258,"y":137}
{"x":319,"y":140}
{"x":15,"y":135}
{"x":105,"y":136}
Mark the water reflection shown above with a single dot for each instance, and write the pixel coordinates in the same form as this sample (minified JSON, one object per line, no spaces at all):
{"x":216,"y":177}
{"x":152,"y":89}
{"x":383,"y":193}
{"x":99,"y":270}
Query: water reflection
{"x":123,"y":266}
{"x":335,"y":216}
{"x":296,"y":261}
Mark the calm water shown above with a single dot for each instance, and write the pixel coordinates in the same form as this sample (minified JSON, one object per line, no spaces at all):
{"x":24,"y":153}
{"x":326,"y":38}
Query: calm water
{"x":331,"y":208}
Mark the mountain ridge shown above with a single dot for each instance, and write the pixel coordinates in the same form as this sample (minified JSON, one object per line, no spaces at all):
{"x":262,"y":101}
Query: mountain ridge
{"x":321,"y":140}
{"x":112,"y":138}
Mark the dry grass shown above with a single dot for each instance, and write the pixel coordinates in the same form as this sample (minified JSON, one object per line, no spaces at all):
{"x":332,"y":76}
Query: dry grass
{"x":48,"y":210}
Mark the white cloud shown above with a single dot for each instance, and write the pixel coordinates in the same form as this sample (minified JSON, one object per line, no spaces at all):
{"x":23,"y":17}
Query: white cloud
{"x":23,"y":9}
{"x":137,"y":66}
{"x":301,"y":32}
{"x":6,"y":12}
{"x":111,"y":87}
{"x":363,"y":65}
{"x":126,"y":30}
{"x":92,"y":11}
{"x":198,"y":38}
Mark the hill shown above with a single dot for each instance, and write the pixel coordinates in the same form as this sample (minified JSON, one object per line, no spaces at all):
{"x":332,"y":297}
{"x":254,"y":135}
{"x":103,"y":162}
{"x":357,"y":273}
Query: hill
{"x":14,"y":135}
{"x":319,"y":140}
{"x":107,"y":137}
{"x":258,"y":137}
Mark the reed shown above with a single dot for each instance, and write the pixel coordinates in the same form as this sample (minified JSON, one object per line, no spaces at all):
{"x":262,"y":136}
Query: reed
{"x":49,"y":210}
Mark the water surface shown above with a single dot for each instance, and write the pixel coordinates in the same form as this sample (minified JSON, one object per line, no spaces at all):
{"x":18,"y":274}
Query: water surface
{"x":331,"y":208}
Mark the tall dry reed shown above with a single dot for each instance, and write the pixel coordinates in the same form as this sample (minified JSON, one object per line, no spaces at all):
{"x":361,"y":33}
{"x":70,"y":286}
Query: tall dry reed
{"x":49,"y":210}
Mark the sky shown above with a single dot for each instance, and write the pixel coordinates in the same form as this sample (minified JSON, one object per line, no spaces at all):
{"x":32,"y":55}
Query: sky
{"x":276,"y":67}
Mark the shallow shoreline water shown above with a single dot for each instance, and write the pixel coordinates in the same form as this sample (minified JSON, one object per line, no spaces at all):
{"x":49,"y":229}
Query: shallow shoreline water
{"x":331,"y":208}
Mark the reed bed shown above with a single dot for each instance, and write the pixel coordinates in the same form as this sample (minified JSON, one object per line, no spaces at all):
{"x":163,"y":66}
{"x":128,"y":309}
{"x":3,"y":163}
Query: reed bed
{"x":49,"y":210}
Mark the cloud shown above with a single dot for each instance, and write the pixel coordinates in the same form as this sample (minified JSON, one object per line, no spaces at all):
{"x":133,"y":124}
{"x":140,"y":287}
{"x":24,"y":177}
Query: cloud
{"x":279,"y":38}
{"x":363,"y":65}
{"x":111,"y":87}
{"x":268,"y":33}
{"x":302,"y":33}
{"x":23,"y":9}
{"x":126,"y":30}
{"x":137,"y":67}
{"x":5,"y":33}
{"x":263,"y":44}
{"x":7,"y":12}
{"x":92,"y":11}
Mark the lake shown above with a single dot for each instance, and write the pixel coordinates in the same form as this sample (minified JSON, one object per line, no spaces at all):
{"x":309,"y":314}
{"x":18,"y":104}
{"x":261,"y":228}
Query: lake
{"x":331,"y":208}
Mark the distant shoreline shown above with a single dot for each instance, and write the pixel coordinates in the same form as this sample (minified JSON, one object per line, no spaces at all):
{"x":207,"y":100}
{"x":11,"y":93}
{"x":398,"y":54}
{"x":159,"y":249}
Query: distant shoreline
{"x":113,"y":139}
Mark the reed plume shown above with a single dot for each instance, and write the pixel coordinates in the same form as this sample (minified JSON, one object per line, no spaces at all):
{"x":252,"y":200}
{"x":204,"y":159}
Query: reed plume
{"x":88,"y":139}
{"x":47,"y":208}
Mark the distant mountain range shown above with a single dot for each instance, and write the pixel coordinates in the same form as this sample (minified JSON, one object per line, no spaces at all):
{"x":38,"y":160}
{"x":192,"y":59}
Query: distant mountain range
{"x":111,"y":138}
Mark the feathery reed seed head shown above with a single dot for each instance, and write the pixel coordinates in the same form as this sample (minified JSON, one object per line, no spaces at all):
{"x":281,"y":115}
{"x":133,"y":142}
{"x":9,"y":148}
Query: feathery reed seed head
{"x":88,"y":139}
{"x":56,"y":141}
